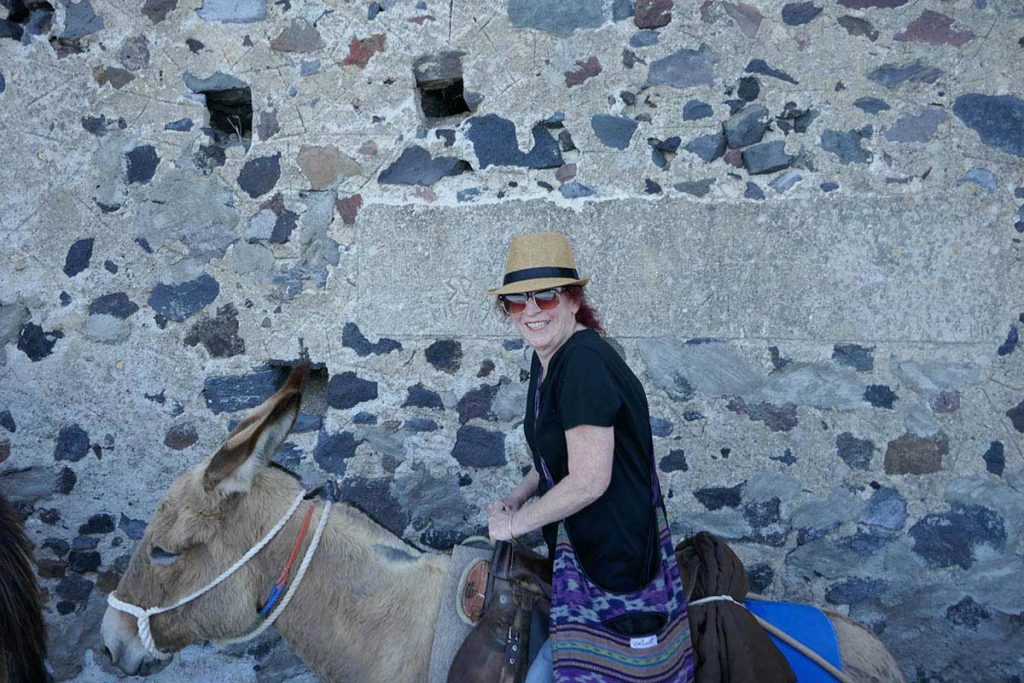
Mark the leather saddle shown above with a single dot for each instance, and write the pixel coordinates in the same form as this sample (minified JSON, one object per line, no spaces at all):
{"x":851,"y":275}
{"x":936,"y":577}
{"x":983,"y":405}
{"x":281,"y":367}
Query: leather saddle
{"x":512,"y":623}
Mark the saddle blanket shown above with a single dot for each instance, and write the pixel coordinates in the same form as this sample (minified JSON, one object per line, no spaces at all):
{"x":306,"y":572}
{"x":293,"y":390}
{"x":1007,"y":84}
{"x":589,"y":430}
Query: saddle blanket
{"x":810,"y":626}
{"x":451,"y":630}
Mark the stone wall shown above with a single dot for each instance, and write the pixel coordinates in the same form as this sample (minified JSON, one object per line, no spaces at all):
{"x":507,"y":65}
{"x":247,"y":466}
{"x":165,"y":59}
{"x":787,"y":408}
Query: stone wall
{"x":803,"y":222}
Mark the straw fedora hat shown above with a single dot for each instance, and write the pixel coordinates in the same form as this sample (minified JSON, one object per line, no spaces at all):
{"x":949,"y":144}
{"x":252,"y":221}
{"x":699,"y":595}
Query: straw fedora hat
{"x":541,"y":260}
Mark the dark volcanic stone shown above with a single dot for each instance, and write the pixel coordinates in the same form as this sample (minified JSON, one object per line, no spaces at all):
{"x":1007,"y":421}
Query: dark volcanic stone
{"x":1008,"y":346}
{"x":675,"y":461}
{"x":478,"y":447}
{"x":259,"y":176}
{"x":332,"y":450}
{"x":415,"y":166}
{"x":228,"y":394}
{"x":100,"y":523}
{"x":132,"y":528}
{"x":66,"y":481}
{"x":886,"y":509}
{"x":880,"y":396}
{"x":708,"y":147}
{"x":695,"y":109}
{"x":1016,"y":415}
{"x":753,"y":191}
{"x":892,"y":75}
{"x":911,"y":454}
{"x":718,"y":497}
{"x":374,"y":498}
{"x":559,"y":17}
{"x":860,"y":358}
{"x":846,"y":146}
{"x":157,"y":10}
{"x":856,"y":26}
{"x":663,"y":150}
{"x":117,"y":304}
{"x":652,"y":13}
{"x":766,"y":157}
{"x":622,"y":9}
{"x":178,"y":302}
{"x":684,"y":69}
{"x":141,"y":164}
{"x":871,"y":105}
{"x":421,"y":397}
{"x":83,"y":561}
{"x":613,"y":131}
{"x":799,"y":13}
{"x":777,"y":418}
{"x":998,"y":119}
{"x":746,"y":127}
{"x":7,"y":421}
{"x":494,"y":142}
{"x":36,"y":343}
{"x":346,"y":390}
{"x":748,"y":88}
{"x":949,"y":538}
{"x":697,"y":188}
{"x":75,"y":588}
{"x":759,"y":66}
{"x":856,"y":590}
{"x":179,"y":126}
{"x":856,"y":453}
{"x":476,"y":403}
{"x":354,"y":339}
{"x":180,"y":437}
{"x":967,"y":613}
{"x":995,"y":458}
{"x":78,"y":257}
{"x":445,"y":355}
{"x":760,"y":577}
{"x":218,"y":335}
{"x":72,"y":444}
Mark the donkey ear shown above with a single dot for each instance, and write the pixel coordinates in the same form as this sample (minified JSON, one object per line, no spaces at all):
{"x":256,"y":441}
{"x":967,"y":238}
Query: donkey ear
{"x":255,"y":440}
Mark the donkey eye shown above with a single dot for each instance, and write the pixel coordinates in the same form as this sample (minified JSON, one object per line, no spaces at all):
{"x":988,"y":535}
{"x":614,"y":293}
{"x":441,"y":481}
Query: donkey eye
{"x":162,"y":557}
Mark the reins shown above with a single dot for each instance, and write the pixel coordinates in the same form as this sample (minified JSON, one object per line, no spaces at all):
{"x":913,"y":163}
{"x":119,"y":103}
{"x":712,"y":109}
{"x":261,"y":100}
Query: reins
{"x":143,"y":615}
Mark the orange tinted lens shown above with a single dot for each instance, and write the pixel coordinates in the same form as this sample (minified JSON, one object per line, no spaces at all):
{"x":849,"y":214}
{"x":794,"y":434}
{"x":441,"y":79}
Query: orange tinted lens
{"x":515,"y":303}
{"x":546,"y":300}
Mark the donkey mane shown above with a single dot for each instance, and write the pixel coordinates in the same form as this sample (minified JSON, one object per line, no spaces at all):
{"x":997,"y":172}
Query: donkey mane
{"x":22,"y":630}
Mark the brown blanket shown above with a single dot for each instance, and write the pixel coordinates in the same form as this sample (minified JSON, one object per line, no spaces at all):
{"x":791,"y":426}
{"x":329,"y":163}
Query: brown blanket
{"x":730,"y":645}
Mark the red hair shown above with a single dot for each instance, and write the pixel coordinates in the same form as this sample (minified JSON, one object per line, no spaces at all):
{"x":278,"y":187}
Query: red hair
{"x":586,"y":315}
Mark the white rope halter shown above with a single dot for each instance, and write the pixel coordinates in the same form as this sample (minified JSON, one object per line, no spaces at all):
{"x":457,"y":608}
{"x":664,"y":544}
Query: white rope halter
{"x":143,"y":615}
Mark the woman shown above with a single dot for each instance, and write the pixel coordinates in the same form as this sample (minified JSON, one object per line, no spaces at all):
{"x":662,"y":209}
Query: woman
{"x":588,"y":427}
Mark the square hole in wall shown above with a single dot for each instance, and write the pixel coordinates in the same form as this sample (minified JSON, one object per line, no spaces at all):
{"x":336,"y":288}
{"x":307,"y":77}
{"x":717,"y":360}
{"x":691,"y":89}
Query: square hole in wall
{"x":230,"y":115}
{"x":439,"y":85}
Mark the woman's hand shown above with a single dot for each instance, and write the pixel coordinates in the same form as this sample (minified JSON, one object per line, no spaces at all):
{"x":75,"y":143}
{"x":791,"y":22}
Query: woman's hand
{"x":499,"y":522}
{"x":509,"y":503}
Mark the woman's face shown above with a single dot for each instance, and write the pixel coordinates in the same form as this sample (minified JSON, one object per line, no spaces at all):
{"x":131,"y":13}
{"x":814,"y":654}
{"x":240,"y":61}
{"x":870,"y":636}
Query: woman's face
{"x":547,"y":330}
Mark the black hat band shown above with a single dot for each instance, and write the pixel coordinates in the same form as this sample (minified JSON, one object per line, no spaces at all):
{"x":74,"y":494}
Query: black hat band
{"x":537,"y":273}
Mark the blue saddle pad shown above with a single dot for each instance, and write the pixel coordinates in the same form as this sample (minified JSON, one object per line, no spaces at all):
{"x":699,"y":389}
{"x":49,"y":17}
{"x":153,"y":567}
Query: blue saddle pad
{"x":811,"y":627}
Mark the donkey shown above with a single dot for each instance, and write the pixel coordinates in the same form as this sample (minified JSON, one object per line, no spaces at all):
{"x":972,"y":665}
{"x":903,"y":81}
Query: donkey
{"x":22,"y":630}
{"x":366,"y":608}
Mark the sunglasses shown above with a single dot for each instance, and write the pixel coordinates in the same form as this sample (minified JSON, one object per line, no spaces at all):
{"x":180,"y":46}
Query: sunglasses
{"x":546,"y":299}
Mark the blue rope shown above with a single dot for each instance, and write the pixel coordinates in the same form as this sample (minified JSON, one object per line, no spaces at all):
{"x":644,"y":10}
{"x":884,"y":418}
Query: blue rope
{"x":275,"y":596}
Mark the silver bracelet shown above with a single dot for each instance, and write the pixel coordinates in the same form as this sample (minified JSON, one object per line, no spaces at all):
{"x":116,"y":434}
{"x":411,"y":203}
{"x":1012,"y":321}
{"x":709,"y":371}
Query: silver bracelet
{"x":511,"y":535}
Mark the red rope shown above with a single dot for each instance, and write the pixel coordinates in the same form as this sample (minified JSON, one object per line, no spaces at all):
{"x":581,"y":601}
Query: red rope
{"x":295,"y":549}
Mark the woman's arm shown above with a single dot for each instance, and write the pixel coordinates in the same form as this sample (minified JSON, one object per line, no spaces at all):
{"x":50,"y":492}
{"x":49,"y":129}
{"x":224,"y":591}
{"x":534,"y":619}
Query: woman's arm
{"x":519,"y":495}
{"x":590,"y":451}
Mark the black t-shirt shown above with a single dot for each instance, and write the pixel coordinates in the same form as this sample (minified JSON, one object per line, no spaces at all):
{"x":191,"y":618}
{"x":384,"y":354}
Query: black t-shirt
{"x":587,"y":383}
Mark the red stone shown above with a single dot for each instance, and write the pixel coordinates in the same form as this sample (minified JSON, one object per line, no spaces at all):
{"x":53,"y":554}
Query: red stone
{"x":934,"y":28}
{"x":588,"y":69}
{"x":180,"y":437}
{"x":360,"y":51}
{"x":348,"y":208}
{"x":652,"y":13}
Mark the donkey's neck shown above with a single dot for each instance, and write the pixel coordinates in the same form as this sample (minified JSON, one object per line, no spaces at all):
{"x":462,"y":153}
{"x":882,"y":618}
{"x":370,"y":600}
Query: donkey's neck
{"x":367,"y":607}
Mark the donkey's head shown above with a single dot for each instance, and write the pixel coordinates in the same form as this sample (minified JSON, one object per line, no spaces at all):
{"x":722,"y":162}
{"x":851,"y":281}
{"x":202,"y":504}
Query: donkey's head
{"x":209,"y":517}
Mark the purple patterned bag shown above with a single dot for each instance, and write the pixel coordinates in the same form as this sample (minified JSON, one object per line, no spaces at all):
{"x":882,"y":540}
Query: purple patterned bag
{"x":584,"y":650}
